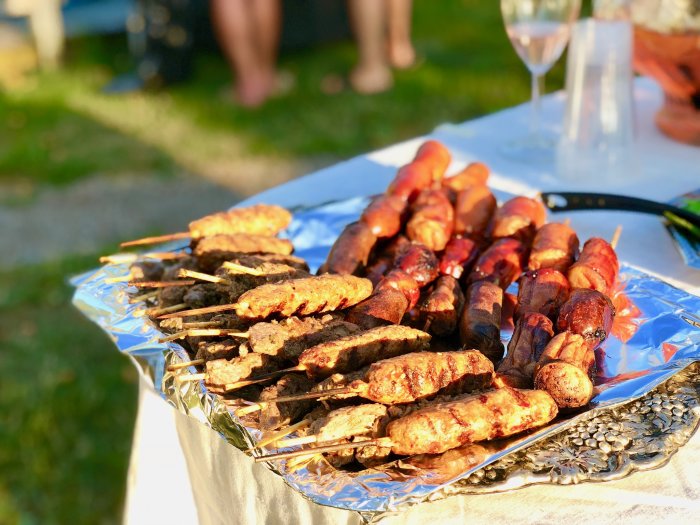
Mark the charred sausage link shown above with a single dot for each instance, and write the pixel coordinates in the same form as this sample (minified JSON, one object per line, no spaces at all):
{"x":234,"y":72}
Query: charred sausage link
{"x":432,"y":220}
{"x":495,"y":414}
{"x":350,"y":252}
{"x":260,"y":219}
{"x":414,"y":376}
{"x":384,"y":215}
{"x":555,"y":246}
{"x":502,"y":263}
{"x":458,"y":257}
{"x":473,"y":211}
{"x":212,"y":251}
{"x":479,"y":324}
{"x":520,"y":217}
{"x":384,"y":261}
{"x":384,"y":306}
{"x":436,"y":156}
{"x":596,"y":268}
{"x":532,"y":333}
{"x":312,"y":295}
{"x":418,"y":261}
{"x":355,"y":351}
{"x":441,"y":309}
{"x":589,"y":314}
{"x":564,"y":370}
{"x":475,"y":174}
{"x":410,"y":180}
{"x":404,"y":283}
{"x":542,"y":291}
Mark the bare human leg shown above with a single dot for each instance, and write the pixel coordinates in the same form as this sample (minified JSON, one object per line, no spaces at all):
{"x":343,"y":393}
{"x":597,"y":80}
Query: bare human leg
{"x":402,"y":55}
{"x":372,"y":73}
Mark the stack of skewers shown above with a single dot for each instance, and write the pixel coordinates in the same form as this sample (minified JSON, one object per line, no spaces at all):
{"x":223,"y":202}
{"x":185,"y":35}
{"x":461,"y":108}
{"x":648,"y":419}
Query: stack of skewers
{"x":394,"y":348}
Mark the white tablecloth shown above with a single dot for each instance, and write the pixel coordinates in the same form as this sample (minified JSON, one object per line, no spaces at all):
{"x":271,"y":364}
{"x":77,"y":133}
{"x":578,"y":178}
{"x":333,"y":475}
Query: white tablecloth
{"x":183,"y":472}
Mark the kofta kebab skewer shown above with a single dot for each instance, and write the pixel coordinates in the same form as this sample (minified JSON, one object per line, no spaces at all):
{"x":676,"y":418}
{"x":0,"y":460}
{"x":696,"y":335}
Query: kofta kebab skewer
{"x":489,"y":415}
{"x":260,"y":219}
{"x":342,"y":355}
{"x":407,"y":378}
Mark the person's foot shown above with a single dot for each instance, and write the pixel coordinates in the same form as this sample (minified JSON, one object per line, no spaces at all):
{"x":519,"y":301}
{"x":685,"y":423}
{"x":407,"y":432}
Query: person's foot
{"x":402,"y":56}
{"x":253,"y":91}
{"x":369,"y":80}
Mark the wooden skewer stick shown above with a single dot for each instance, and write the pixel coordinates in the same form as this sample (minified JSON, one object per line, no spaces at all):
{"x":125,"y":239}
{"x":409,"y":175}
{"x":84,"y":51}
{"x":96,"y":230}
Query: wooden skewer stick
{"x":230,"y":387}
{"x":272,"y":438}
{"x":379,"y":442}
{"x":303,"y":440}
{"x":299,"y":397}
{"x":203,"y":324}
{"x":203,"y":277}
{"x":156,"y":239}
{"x":161,"y":284}
{"x":143,"y":297}
{"x":185,"y":364}
{"x":203,"y":332}
{"x":120,"y":258}
{"x":189,"y":378}
{"x":616,"y":237}
{"x":295,"y":464}
{"x":205,"y":310}
{"x":242,"y":269}
{"x":567,"y":222}
{"x":155,"y":312}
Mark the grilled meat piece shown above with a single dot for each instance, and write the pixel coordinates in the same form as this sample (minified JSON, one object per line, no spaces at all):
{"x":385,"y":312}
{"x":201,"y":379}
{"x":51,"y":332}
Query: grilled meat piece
{"x":358,"y":350}
{"x":532,"y":333}
{"x":212,"y":350}
{"x":458,"y":257}
{"x":351,"y":250}
{"x":440,"y":311}
{"x":212,"y":251}
{"x":519,"y":218}
{"x":311,"y":295}
{"x":502,"y":263}
{"x":542,"y":291}
{"x":588,"y":313}
{"x":494,"y":414}
{"x":418,"y":261}
{"x":276,"y":415}
{"x":385,"y":306}
{"x":288,"y":338}
{"x":432,"y":220}
{"x":480,"y":322}
{"x":384,"y":215}
{"x":222,"y":372}
{"x":473,"y":211}
{"x":555,"y":246}
{"x":260,"y":219}
{"x":596,"y":268}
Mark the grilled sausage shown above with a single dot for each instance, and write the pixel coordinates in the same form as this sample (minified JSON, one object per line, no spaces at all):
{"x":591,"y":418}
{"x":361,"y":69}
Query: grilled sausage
{"x":436,"y":156}
{"x":350,"y":252}
{"x":564,"y":370}
{"x":479,"y":324}
{"x":385,"y":306}
{"x":404,"y":283}
{"x":596,"y":268}
{"x":520,"y":217}
{"x":589,"y":314}
{"x":494,"y":414}
{"x":502,"y":263}
{"x":410,"y":180}
{"x":555,"y":246}
{"x":474,"y":208}
{"x":458,"y":257}
{"x":532,"y":333}
{"x":384,"y":215}
{"x":542,"y":291}
{"x":432,"y":220}
{"x":418,"y":261}
{"x":475,"y":174}
{"x":441,"y":309}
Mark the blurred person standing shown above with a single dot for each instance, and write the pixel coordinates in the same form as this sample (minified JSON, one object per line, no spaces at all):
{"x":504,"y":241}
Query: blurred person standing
{"x":383,"y":33}
{"x":248,"y":32}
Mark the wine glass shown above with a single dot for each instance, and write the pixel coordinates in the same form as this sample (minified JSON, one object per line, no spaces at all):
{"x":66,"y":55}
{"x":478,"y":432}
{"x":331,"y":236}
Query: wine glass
{"x":539,"y":31}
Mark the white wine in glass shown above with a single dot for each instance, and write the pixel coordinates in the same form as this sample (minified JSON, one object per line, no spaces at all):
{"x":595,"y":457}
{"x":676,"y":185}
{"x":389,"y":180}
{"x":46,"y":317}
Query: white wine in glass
{"x":539,"y":31}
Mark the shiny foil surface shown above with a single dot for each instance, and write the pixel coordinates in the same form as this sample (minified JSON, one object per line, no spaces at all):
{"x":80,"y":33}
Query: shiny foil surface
{"x":665,"y":340}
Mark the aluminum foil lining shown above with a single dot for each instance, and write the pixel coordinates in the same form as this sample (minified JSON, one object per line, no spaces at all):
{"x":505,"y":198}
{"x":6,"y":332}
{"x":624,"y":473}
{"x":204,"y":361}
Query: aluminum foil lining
{"x":666,"y":340}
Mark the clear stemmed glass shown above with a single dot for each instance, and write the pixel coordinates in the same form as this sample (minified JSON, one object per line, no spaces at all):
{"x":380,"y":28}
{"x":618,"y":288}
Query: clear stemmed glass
{"x":539,"y":31}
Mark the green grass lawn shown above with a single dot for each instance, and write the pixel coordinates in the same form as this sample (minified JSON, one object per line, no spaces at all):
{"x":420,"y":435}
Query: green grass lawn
{"x":67,"y":398}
